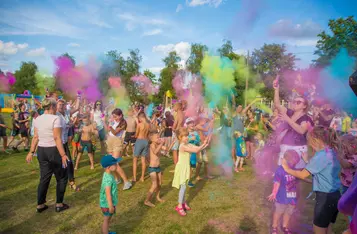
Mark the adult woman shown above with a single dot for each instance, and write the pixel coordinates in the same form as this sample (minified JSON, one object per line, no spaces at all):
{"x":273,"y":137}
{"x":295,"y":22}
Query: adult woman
{"x":98,"y":116}
{"x":297,"y":123}
{"x":115,"y":142}
{"x":50,"y":154}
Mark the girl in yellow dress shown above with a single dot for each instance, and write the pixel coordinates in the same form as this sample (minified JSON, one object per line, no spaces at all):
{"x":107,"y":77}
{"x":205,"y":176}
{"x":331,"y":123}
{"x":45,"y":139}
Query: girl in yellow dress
{"x":182,"y":169}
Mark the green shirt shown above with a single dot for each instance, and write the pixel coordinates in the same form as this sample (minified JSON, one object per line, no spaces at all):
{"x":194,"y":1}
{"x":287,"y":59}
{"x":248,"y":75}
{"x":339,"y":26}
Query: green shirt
{"x":108,"y":181}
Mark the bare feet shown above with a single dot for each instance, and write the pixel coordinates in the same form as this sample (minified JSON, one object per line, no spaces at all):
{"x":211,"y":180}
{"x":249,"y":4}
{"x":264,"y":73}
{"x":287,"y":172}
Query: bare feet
{"x":160,"y":200}
{"x":76,"y":168}
{"x":141,"y":179}
{"x":147,"y":203}
{"x":198,"y":178}
{"x":92,"y":167}
{"x":133,"y":180}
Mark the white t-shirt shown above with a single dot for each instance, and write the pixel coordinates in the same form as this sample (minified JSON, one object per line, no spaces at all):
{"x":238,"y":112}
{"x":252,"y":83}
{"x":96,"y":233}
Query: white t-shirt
{"x":45,"y":125}
{"x":114,"y":125}
{"x":97,"y":116}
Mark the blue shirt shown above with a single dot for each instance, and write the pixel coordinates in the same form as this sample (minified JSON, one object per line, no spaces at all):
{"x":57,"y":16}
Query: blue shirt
{"x":287,"y":189}
{"x":325,"y":168}
{"x":240,"y":147}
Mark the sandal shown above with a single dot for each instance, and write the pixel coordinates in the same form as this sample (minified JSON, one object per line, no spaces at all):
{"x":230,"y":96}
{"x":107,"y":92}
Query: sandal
{"x":180,"y":211}
{"x":274,"y":230}
{"x":39,"y":210}
{"x":73,"y":186}
{"x":62,"y":208}
{"x":287,"y":230}
{"x":185,"y":206}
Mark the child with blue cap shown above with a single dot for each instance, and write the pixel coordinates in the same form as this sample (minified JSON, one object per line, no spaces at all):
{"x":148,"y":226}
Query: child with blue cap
{"x":108,"y":192}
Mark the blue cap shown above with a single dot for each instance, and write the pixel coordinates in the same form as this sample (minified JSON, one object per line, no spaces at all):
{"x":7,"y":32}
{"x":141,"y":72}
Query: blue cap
{"x":108,"y":160}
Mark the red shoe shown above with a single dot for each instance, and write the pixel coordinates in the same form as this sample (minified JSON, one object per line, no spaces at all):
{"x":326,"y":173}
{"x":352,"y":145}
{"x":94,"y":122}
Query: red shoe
{"x":185,"y":206}
{"x":180,"y":211}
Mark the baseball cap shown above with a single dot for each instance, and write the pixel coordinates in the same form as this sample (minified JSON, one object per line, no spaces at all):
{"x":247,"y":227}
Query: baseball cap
{"x":189,"y":120}
{"x":108,"y":160}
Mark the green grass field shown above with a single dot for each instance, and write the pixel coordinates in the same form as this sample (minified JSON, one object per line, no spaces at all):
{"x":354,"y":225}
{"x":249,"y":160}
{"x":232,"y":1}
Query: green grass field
{"x":220,"y":205}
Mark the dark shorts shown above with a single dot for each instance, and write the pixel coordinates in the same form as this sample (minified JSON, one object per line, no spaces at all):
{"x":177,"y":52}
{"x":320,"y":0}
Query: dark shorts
{"x":129,"y":138}
{"x":105,"y":211}
{"x":2,"y":132}
{"x":71,"y":131}
{"x":86,"y":145}
{"x":154,"y":169}
{"x":24,"y":132}
{"x":101,"y":134}
{"x":15,"y":132}
{"x":193,"y":160}
{"x":141,"y":148}
{"x":326,"y":208}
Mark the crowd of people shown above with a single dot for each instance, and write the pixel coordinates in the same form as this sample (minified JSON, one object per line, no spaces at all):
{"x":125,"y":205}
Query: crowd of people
{"x":289,"y":145}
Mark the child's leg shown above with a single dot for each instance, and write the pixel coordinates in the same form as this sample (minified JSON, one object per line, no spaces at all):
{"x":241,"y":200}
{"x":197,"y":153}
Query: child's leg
{"x":159,"y":182}
{"x":91,"y":159}
{"x":121,"y":173}
{"x":199,"y":164}
{"x":143,"y":168}
{"x":175,"y":156}
{"x":4,"y":141}
{"x":11,"y":140}
{"x":152,"y":189}
{"x":236,"y":162}
{"x":241,"y":161}
{"x":135,"y":164}
{"x":78,"y":159}
{"x":279,"y":210}
{"x":105,"y":227}
{"x":182,"y":192}
{"x":287,"y":214}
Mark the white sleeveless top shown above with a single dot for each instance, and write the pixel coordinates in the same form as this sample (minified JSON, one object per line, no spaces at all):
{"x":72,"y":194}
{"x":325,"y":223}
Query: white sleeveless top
{"x":97,"y":115}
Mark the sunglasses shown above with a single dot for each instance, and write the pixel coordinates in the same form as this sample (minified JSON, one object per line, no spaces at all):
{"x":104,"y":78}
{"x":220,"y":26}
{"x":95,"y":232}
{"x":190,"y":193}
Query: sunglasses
{"x":297,"y":102}
{"x":98,"y":104}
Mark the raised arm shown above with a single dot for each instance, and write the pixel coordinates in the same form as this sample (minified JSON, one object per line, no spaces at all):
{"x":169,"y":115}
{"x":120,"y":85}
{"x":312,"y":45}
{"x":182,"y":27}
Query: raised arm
{"x":277,"y":104}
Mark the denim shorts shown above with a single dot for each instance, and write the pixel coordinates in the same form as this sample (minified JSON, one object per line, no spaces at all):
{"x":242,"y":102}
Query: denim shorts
{"x":141,"y":148}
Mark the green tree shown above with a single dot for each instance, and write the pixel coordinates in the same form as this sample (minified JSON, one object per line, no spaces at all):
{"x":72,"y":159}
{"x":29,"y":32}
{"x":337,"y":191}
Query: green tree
{"x":26,"y":78}
{"x":194,"y":62}
{"x":344,"y":35}
{"x":269,"y":61}
{"x":166,"y":76}
{"x":151,"y":76}
{"x":226,"y":50}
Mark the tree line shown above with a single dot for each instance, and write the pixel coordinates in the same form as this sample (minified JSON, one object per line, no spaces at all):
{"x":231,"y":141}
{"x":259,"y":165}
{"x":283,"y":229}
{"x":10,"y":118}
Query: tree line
{"x":264,"y":64}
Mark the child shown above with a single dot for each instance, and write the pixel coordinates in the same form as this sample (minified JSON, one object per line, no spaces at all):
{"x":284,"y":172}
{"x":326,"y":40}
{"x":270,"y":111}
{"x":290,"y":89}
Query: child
{"x":241,"y":151}
{"x":3,"y":128}
{"x":15,"y":129}
{"x":108,"y":198}
{"x":324,"y":168}
{"x":141,"y":148}
{"x":193,"y":138}
{"x":129,"y":139}
{"x":87,"y":132}
{"x":284,"y":193}
{"x":260,"y":141}
{"x":155,"y":173}
{"x":182,"y":169}
{"x":348,"y":160}
{"x":353,"y":130}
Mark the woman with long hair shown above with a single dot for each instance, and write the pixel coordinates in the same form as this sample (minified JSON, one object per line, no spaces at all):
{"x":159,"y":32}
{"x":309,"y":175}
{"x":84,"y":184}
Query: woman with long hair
{"x":98,"y":116}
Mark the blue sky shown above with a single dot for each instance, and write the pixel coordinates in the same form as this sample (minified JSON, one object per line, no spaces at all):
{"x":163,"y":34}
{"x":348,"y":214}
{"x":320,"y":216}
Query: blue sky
{"x":38,"y":30}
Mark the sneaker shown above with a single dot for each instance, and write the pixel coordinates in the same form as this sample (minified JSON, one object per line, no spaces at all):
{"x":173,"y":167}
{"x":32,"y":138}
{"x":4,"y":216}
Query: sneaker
{"x":7,"y":152}
{"x":127,"y":185}
{"x":15,"y":149}
{"x":190,"y":184}
{"x":118,"y":181}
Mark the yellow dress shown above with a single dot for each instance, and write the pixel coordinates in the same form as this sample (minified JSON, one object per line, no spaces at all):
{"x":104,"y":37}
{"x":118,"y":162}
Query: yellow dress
{"x":182,"y":169}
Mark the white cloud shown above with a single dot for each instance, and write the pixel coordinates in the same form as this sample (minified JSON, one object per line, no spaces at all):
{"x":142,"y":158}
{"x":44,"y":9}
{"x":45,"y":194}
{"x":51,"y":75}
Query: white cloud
{"x":194,"y":3}
{"x":133,"y":21}
{"x":72,"y":44}
{"x":179,"y":8}
{"x":11,"y":48}
{"x":155,"y":70}
{"x":183,"y":49}
{"x":36,"y":52}
{"x":153,"y":32}
{"x":287,"y":29}
{"x":240,"y":51}
{"x":306,"y":42}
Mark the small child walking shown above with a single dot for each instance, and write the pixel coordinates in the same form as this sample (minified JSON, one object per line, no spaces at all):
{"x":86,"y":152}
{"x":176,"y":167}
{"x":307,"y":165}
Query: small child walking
{"x":241,"y":151}
{"x":182,"y":169}
{"x":284,"y":193}
{"x":155,"y":173}
{"x":108,"y":198}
